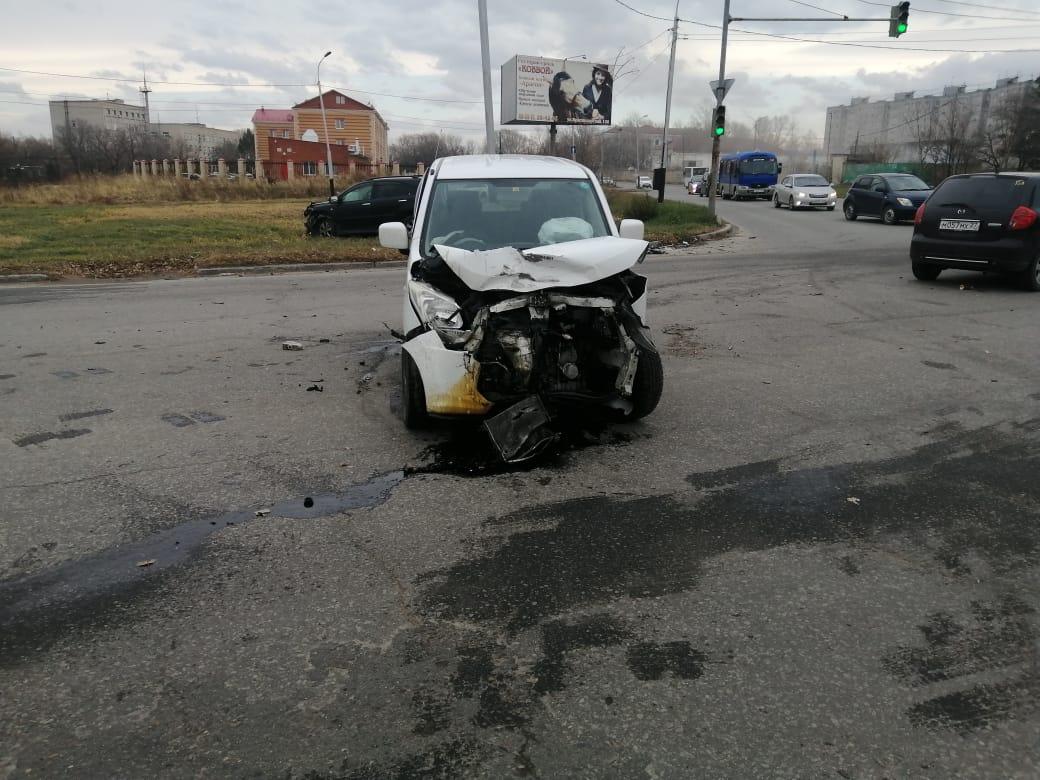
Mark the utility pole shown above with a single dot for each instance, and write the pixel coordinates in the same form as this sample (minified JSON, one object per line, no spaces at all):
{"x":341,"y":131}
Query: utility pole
{"x":144,"y":91}
{"x":668,"y":104}
{"x":485,"y":56}
{"x":720,"y":93}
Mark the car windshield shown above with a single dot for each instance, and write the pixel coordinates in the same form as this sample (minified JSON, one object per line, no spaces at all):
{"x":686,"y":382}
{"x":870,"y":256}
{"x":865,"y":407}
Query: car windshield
{"x":811,"y":181}
{"x":480,"y":214}
{"x":906,"y":183}
{"x":758,"y":165}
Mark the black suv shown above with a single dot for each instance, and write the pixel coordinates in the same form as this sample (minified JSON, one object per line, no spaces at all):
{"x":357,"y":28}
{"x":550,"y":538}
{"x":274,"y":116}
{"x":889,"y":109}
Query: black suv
{"x":890,"y":196}
{"x":361,"y":209}
{"x":980,"y":222}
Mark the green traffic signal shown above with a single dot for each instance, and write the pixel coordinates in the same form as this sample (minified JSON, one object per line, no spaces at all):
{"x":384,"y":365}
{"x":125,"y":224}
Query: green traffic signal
{"x":899,"y":20}
{"x":901,"y":28}
{"x":720,"y":131}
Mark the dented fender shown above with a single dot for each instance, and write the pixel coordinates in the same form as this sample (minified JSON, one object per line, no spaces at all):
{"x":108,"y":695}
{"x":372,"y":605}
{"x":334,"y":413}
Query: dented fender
{"x":449,"y":377}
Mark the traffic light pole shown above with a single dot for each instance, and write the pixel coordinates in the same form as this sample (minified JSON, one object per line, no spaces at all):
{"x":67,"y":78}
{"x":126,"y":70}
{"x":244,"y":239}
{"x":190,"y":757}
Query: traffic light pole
{"x":720,"y":92}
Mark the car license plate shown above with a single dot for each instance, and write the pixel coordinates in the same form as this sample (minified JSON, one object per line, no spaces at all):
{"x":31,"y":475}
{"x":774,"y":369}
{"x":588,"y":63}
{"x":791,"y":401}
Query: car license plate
{"x":971,"y":225}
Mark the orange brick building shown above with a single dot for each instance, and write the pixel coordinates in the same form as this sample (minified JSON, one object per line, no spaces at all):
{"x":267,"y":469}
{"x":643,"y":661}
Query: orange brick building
{"x":356,"y":127}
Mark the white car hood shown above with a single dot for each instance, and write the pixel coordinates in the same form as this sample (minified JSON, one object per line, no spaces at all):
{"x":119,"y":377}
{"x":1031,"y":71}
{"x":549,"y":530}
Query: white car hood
{"x":569,"y":264}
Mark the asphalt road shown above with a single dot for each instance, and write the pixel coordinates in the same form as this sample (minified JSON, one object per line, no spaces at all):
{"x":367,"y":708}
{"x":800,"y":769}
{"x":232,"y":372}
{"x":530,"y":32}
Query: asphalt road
{"x":817,"y":558}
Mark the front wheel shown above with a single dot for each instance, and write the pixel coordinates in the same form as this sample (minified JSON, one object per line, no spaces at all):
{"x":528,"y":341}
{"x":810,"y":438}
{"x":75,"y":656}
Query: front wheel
{"x":413,"y":394}
{"x":850,"y":211}
{"x":888,"y":216}
{"x":776,"y":202}
{"x":1030,"y":278}
{"x":926,"y":272}
{"x":648,"y":385}
{"x":323,"y":227}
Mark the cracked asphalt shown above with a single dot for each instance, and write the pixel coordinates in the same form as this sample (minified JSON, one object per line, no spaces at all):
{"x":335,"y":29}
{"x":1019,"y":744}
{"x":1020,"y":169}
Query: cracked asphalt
{"x":818,"y":558}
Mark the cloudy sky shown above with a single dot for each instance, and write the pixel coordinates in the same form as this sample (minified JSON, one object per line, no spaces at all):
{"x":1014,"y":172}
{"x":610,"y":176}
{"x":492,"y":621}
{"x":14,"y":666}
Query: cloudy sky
{"x":418,"y":61}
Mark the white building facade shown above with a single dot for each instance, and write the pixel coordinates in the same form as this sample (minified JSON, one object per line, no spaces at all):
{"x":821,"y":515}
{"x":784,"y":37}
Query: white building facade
{"x":107,"y":114}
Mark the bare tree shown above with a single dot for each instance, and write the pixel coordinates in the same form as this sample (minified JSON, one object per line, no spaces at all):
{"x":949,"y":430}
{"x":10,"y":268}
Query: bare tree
{"x":427,"y":147}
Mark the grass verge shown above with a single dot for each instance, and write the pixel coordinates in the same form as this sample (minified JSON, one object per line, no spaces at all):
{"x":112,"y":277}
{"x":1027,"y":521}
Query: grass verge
{"x":121,"y":239}
{"x":669,"y":222}
{"x":170,"y":238}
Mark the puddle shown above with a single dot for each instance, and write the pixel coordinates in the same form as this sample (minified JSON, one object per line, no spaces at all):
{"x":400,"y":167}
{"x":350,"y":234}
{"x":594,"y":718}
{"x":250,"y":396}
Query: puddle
{"x":36,"y":610}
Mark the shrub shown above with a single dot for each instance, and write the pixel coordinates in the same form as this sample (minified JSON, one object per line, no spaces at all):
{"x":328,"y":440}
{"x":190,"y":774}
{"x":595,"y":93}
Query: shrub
{"x":642,"y":207}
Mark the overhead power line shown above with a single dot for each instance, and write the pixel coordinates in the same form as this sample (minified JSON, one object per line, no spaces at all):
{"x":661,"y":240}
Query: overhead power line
{"x":950,"y":13}
{"x":987,"y":7}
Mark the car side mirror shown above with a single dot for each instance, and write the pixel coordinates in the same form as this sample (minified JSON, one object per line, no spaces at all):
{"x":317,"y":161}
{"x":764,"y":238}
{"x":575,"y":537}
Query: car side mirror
{"x":631,"y":228}
{"x":393,"y":235}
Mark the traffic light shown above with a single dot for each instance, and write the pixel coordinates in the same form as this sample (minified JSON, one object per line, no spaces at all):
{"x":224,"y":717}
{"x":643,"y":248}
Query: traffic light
{"x":718,"y":122}
{"x":899,"y":20}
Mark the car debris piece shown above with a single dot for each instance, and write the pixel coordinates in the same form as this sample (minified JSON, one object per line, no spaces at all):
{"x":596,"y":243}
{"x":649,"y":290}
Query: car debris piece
{"x":316,"y":389}
{"x":295,"y":346}
{"x":143,"y":564}
{"x":521,"y":431}
{"x":323,"y":341}
{"x":262,"y":512}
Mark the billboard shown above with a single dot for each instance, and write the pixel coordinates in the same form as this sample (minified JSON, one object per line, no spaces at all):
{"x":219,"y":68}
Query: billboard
{"x":542,"y":91}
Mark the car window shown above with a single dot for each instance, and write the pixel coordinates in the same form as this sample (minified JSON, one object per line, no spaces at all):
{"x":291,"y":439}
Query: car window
{"x":758,"y":165}
{"x":906,"y":181}
{"x":523,"y":213}
{"x":360,"y":194}
{"x":862,"y":183}
{"x":992,"y":194}
{"x":878,"y":184}
{"x":391,"y":190}
{"x":811,"y":181}
{"x":786,"y":182}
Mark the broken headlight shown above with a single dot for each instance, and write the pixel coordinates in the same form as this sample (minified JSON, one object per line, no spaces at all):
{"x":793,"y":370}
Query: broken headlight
{"x":440,"y":312}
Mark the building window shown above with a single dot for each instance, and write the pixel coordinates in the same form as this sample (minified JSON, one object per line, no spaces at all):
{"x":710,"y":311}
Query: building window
{"x":309,"y":168}
{"x":340,"y":124}
{"x":285,"y":133}
{"x":340,"y":100}
{"x":274,"y":133}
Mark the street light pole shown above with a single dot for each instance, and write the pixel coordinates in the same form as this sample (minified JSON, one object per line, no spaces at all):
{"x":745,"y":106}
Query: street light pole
{"x":325,"y":124}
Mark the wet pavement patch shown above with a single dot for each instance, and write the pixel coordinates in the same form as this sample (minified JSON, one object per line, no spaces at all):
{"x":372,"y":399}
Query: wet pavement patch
{"x":84,"y":415}
{"x":943,"y":366}
{"x":177,"y":420}
{"x":561,"y":638}
{"x":651,"y":661}
{"x":40,"y":438}
{"x":38,"y":610}
{"x":7,"y":376}
{"x":64,"y":374}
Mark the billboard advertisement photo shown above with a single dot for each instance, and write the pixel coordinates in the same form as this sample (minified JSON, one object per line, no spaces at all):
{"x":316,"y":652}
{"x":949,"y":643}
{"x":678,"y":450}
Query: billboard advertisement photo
{"x":542,"y":91}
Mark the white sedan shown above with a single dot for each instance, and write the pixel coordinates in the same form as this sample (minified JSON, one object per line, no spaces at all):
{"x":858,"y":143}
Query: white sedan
{"x":804,"y":190}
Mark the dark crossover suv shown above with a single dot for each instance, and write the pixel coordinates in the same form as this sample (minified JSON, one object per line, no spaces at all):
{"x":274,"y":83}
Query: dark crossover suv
{"x":890,"y":196}
{"x":360,"y":210}
{"x":980,"y":222}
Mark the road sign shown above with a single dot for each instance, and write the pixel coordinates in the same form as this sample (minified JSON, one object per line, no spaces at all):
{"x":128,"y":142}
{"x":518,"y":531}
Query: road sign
{"x":720,"y":91}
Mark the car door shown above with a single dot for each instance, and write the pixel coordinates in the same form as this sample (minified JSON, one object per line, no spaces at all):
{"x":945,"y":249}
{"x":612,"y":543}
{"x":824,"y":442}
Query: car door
{"x":783,"y":189}
{"x":353,"y":211}
{"x":874,"y":197}
{"x":393,"y":200}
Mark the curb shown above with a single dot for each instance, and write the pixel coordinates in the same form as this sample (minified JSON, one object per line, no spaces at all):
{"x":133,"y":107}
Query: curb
{"x":722,"y":232}
{"x":284,"y":268}
{"x":11,"y":278}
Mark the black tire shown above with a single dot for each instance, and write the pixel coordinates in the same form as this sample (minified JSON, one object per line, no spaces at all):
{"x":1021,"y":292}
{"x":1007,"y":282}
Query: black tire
{"x":888,"y":216}
{"x":926,"y":272}
{"x":1030,"y":278}
{"x":323,"y":227}
{"x":648,"y":384}
{"x":790,"y":203}
{"x":413,"y":394}
{"x":776,"y":202}
{"x":849,"y":210}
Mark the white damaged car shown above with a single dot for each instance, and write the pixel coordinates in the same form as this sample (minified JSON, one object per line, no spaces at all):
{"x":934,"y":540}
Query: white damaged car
{"x":520,"y":303}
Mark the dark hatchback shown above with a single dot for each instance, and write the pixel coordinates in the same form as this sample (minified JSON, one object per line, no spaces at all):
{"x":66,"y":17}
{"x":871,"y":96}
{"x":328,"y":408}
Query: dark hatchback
{"x":981,"y":222}
{"x":890,"y":196}
{"x":361,"y":209}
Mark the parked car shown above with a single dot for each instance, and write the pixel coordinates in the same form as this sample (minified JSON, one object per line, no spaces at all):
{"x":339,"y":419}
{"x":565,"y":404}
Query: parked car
{"x":804,"y":190}
{"x":520,"y":300}
{"x":607,"y":181}
{"x":890,"y":196}
{"x":980,"y":222}
{"x":644,"y":183}
{"x":361,"y":209}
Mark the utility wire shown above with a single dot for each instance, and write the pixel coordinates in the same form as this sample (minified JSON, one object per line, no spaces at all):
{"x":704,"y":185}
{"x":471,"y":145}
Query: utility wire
{"x":818,"y":8}
{"x":950,"y":13}
{"x":988,"y":7}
